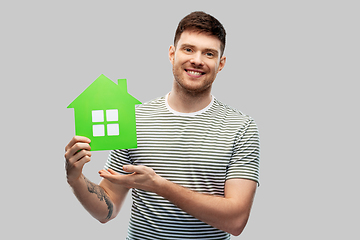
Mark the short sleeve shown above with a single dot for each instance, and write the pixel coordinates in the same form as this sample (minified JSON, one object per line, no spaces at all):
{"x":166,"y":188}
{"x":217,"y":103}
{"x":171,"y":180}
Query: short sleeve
{"x":116,"y":160}
{"x":245,"y":160}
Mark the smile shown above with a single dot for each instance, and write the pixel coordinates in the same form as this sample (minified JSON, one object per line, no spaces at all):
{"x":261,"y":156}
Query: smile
{"x":194,"y":73}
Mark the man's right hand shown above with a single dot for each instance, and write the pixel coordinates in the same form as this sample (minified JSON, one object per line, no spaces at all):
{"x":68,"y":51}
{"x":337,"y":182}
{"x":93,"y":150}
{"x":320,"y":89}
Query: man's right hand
{"x":77,"y":154}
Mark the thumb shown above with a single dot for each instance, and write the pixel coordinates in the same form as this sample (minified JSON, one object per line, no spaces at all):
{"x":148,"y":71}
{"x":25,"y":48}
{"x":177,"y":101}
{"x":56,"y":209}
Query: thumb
{"x":129,"y":168}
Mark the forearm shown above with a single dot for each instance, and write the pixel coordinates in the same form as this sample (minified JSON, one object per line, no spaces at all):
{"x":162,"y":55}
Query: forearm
{"x":93,"y":198}
{"x":228,"y":213}
{"x":220,"y":212}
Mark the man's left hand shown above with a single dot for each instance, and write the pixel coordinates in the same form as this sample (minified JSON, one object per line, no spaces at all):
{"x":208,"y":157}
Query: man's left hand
{"x":141,"y":177}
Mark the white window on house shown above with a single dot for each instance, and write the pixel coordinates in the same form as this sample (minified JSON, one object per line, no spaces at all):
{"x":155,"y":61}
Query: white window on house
{"x":112,"y":115}
{"x":98,"y":116}
{"x":98,"y":130}
{"x":113,"y":129}
{"x":108,"y":119}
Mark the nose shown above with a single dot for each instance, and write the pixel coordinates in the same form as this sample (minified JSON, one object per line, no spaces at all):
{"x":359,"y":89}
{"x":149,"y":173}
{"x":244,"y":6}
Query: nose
{"x":197,"y":59}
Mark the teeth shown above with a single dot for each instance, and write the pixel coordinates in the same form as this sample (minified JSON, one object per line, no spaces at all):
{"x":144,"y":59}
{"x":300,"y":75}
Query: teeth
{"x":194,"y":73}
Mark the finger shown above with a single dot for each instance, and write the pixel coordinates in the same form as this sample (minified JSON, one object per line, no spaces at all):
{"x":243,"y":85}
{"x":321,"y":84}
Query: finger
{"x":72,"y":158}
{"x":78,"y":164}
{"x":112,"y":172}
{"x":103,"y":173}
{"x":77,"y":139}
{"x":82,"y":153}
{"x":106,"y":171}
{"x":71,"y":143}
{"x":106,"y":175}
{"x":76,"y":148}
{"x":82,"y":161}
{"x":79,"y":156}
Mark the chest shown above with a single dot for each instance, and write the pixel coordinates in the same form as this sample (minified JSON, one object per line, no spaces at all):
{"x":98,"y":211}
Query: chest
{"x":192,"y":153}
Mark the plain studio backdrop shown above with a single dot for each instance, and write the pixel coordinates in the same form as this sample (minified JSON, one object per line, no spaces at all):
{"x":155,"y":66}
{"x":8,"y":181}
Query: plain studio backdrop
{"x":291,"y":65}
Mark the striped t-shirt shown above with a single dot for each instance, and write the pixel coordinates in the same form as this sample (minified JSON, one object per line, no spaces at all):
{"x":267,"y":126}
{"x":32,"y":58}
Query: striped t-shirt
{"x":199,"y":151}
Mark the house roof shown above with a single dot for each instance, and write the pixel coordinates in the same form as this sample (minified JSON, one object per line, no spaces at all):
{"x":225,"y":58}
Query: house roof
{"x":104,"y":93}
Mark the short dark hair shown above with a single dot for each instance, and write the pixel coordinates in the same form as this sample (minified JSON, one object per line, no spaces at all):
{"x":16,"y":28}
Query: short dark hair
{"x":201,"y":22}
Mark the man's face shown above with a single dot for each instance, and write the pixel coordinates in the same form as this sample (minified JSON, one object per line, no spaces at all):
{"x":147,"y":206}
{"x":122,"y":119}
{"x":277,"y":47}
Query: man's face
{"x":196,"y":61}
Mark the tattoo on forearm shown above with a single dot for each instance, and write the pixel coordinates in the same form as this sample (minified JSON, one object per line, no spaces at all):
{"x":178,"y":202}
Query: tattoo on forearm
{"x":100,"y":193}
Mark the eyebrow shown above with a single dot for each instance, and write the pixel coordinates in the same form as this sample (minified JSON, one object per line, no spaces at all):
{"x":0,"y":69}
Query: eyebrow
{"x":206,"y":49}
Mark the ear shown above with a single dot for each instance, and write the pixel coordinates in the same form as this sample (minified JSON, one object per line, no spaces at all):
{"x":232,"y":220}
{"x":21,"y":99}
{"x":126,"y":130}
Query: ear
{"x":222,"y":63}
{"x":172,"y":54}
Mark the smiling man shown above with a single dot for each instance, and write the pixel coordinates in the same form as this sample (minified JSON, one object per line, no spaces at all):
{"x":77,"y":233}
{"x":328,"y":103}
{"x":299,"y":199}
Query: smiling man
{"x":196,"y":59}
{"x":196,"y":168}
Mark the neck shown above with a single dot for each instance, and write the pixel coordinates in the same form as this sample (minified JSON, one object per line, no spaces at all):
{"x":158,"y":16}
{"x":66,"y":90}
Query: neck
{"x":188,"y":102}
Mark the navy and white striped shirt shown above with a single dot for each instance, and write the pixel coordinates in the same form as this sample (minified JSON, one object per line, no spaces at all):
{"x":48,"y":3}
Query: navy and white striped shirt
{"x":199,"y":151}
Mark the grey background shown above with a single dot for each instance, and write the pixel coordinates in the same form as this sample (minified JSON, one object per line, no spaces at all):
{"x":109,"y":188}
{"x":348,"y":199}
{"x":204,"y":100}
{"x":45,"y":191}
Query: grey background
{"x":292,"y":65}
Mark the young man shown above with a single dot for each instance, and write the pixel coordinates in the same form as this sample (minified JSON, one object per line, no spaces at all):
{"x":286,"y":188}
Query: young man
{"x":195,"y":171}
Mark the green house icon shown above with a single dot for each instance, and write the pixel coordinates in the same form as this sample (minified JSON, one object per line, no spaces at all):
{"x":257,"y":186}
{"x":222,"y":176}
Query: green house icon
{"x":105,"y":113}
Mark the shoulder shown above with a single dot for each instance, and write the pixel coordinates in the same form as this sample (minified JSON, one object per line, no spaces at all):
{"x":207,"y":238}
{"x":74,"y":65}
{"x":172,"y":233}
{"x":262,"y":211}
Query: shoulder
{"x":155,"y":105}
{"x":154,"y":102}
{"x":230,"y":113}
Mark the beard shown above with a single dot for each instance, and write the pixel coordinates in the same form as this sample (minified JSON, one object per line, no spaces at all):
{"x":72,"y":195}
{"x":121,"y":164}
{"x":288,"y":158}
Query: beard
{"x":192,"y":87}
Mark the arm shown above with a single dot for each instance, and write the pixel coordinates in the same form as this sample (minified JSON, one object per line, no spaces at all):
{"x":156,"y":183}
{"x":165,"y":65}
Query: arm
{"x":229,"y":213}
{"x":102,"y":201}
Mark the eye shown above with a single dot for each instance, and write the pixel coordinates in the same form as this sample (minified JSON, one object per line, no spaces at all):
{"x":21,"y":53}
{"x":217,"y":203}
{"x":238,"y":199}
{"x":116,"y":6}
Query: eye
{"x":187,"y":50}
{"x":209,"y":54}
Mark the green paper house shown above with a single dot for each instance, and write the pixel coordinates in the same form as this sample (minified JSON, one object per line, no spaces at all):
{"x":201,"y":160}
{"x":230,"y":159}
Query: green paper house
{"x":105,"y":113}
